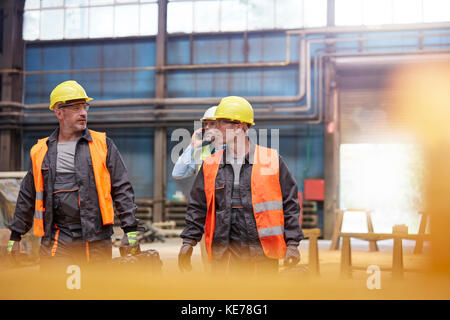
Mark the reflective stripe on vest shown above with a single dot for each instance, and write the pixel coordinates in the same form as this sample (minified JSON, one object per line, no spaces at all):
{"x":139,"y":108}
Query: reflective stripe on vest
{"x":269,"y":205}
{"x":98,"y":150}
{"x":267,"y":200}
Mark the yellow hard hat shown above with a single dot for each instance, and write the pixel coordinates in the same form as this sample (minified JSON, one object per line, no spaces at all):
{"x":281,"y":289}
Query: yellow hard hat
{"x":66,"y":91}
{"x":235,"y":108}
{"x":209,"y":114}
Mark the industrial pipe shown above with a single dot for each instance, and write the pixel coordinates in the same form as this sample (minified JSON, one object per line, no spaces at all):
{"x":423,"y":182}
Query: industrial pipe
{"x":194,"y":101}
{"x":307,"y":106}
{"x":267,"y":99}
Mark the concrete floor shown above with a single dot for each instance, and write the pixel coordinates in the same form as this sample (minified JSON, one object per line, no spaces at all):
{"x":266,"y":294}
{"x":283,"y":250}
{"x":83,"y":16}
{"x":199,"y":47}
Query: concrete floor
{"x":297,"y":285}
{"x":329,"y":260}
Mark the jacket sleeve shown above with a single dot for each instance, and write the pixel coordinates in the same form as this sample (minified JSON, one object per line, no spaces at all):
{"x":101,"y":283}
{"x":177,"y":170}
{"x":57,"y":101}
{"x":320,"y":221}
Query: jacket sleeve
{"x":196,"y":211}
{"x":121,"y":190}
{"x":24,"y":212}
{"x":185,"y":166}
{"x":292,"y":231}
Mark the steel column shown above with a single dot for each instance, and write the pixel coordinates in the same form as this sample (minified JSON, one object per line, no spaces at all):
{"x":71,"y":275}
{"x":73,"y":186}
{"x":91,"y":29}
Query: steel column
{"x":331,"y":150}
{"x":12,"y":53}
{"x":160,"y":147}
{"x":330,"y":13}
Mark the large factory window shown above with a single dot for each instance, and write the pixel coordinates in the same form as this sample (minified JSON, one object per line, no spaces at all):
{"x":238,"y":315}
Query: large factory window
{"x":239,"y":15}
{"x":382,"y":12}
{"x":79,"y":19}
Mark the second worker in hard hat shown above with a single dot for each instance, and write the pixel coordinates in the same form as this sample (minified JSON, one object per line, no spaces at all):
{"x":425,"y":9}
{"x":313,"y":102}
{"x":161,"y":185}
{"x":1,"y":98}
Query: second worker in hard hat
{"x":76,"y":178}
{"x":204,"y":142}
{"x":244,"y":200}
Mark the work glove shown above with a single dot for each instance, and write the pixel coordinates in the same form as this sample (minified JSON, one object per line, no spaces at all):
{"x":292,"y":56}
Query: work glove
{"x":292,"y":256}
{"x":13,"y":247}
{"x":184,"y":257}
{"x":129,"y":244}
{"x":12,"y":253}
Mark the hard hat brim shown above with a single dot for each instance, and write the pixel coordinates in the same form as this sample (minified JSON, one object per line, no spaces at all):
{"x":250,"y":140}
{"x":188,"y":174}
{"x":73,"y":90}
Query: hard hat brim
{"x":52,"y":106}
{"x":208,"y":118}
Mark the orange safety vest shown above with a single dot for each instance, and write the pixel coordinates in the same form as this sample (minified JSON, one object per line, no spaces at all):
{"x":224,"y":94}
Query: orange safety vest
{"x":267,"y":200}
{"x":98,"y":150}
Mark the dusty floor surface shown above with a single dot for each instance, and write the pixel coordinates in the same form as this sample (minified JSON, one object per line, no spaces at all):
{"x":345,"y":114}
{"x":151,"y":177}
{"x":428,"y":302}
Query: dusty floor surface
{"x":26,"y":283}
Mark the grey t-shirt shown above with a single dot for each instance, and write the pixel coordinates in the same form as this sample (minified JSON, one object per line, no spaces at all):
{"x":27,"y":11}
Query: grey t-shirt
{"x":65,"y":198}
{"x":65,"y":162}
{"x":236,"y":163}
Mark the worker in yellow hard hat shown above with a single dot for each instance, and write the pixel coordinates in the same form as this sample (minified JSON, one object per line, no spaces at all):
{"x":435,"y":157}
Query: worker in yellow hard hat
{"x":244,"y":200}
{"x":76,"y":177}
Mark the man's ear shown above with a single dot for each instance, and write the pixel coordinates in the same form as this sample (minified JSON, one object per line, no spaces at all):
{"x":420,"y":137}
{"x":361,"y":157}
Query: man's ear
{"x":58,"y":113}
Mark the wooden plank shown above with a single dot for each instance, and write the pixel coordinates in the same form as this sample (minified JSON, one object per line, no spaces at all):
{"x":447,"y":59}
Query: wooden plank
{"x":314,"y":255}
{"x":337,"y":230}
{"x":385,"y":236}
{"x":311,"y":232}
{"x":346,"y":258}
{"x":397,"y":252}
{"x":170,"y":232}
{"x":397,"y":259}
{"x":372,"y":244}
{"x":313,"y":235}
{"x":367,"y":236}
{"x":423,"y":224}
{"x":164,"y":224}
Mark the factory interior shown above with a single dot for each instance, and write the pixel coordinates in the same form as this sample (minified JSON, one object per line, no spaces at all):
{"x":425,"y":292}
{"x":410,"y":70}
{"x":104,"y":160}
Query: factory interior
{"x":353,"y":94}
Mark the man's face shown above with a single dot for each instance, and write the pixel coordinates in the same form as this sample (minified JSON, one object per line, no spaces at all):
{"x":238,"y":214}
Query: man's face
{"x":72,"y":116}
{"x":211,"y":131}
{"x":231,"y":130}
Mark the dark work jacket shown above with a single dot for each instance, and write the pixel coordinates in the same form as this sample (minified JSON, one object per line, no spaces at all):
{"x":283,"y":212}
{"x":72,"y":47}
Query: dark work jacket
{"x":91,"y":219}
{"x":196,"y":211}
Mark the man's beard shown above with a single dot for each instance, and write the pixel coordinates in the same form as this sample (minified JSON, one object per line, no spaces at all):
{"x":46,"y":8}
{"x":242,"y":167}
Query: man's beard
{"x":80,"y":127}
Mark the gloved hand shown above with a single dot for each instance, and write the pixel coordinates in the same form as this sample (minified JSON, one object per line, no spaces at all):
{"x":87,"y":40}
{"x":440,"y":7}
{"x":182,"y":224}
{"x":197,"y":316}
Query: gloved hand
{"x":184,"y":257}
{"x":12,"y":253}
{"x":129,"y":244}
{"x":292,"y":256}
{"x":13,"y":247}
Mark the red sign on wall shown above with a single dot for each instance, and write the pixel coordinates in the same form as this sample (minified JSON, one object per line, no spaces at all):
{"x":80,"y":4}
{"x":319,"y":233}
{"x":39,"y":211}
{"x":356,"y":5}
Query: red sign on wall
{"x":314,"y":189}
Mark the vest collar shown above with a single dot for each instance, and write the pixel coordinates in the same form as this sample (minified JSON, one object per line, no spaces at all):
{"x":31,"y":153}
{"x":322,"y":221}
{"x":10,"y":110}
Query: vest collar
{"x":214,"y":150}
{"x":85,"y":135}
{"x":248,"y":157}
